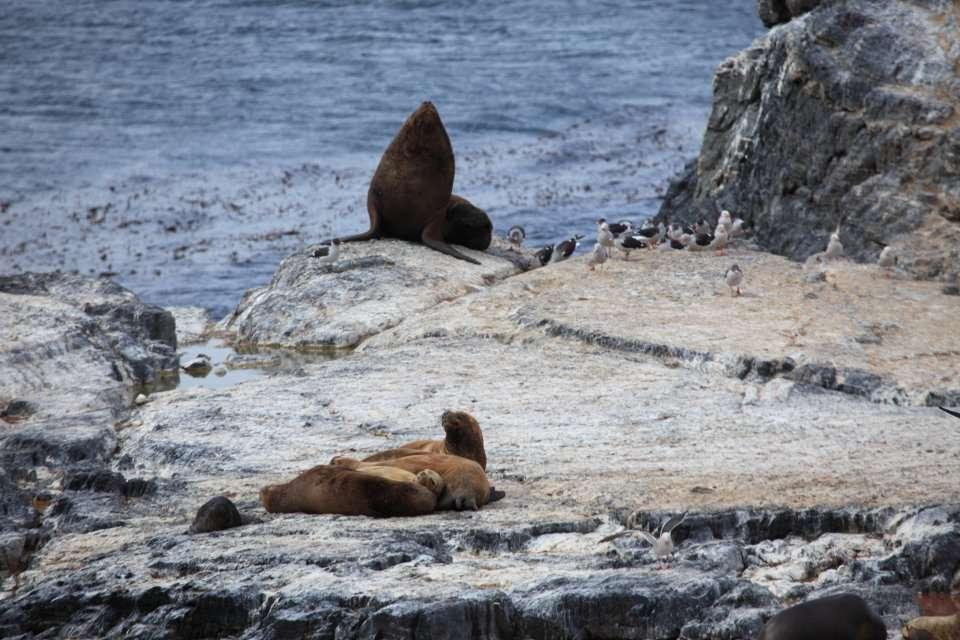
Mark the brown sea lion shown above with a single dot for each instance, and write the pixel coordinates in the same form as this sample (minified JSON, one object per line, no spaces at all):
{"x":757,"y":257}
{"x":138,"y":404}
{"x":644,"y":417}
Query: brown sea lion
{"x":411,"y":193}
{"x":463,"y":438}
{"x":466,"y":483}
{"x":932,"y":628}
{"x":841,"y":617}
{"x":338,"y":489}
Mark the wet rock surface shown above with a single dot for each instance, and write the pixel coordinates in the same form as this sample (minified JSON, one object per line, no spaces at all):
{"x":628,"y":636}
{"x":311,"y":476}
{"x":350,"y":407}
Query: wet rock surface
{"x":845,"y":116}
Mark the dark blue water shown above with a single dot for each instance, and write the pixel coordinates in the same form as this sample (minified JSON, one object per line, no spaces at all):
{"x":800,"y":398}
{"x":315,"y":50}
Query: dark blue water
{"x":557,"y":110}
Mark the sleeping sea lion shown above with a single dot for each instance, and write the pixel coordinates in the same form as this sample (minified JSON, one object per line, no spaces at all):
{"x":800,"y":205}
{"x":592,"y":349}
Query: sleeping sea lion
{"x":411,"y":193}
{"x":932,"y":628}
{"x":463,"y":438}
{"x":338,"y":489}
{"x":841,"y":617}
{"x":466,"y":483}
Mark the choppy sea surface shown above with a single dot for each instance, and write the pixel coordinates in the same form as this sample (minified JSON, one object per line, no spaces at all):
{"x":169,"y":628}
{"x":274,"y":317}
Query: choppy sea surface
{"x":183,"y":147}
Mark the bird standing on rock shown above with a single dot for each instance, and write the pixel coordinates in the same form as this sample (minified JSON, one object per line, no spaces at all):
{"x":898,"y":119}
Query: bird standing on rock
{"x":725,"y":221}
{"x":888,"y":258}
{"x":734,"y":277}
{"x":327,"y":254}
{"x":598,"y":256}
{"x":661,"y":544}
{"x":719,"y":240}
{"x":628,"y":242}
{"x":516,"y":235}
{"x":604,"y":235}
{"x":565,"y":248}
{"x":834,"y":247}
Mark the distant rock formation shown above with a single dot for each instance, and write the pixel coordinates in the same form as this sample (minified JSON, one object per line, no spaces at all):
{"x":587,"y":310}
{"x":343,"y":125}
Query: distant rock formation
{"x":849,"y":115}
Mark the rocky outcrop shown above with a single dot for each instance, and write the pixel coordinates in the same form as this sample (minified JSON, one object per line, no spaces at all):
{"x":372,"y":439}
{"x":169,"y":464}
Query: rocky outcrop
{"x":374,"y":286}
{"x":846,"y":116}
{"x":773,"y":12}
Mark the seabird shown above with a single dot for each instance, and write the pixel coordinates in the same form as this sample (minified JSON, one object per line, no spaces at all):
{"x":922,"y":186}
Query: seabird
{"x":650,"y":233}
{"x":834,"y":247}
{"x":675,"y":231}
{"x":725,"y":221}
{"x":629,"y":242}
{"x":544,"y":254}
{"x":516,"y":236}
{"x":661,"y":543}
{"x":698,"y":242}
{"x":604,"y":235}
{"x":888,"y":257}
{"x":598,"y":256}
{"x":738,"y":228}
{"x":955,"y":414}
{"x":327,"y":254}
{"x":719,"y":240}
{"x":734,"y":277}
{"x":565,"y":248}
{"x":701,"y":226}
{"x":616,"y":228}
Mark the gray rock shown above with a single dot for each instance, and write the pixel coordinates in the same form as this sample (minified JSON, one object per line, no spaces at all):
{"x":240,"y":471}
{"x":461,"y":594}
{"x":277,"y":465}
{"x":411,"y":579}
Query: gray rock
{"x":216,"y":514}
{"x":843,"y":117}
{"x":374,"y":286}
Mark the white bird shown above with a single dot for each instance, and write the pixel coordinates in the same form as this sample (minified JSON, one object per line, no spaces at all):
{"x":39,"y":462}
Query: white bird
{"x":327,"y":254}
{"x":726,"y":221}
{"x":604,"y":235}
{"x":834,"y":247}
{"x":734,"y":277}
{"x":661,"y":543}
{"x":516,"y":235}
{"x":888,"y":257}
{"x":737,"y":229}
{"x":598,"y":256}
{"x":719,"y":239}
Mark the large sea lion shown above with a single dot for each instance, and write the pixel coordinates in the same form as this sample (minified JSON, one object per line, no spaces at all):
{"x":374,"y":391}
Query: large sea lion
{"x":338,"y":489}
{"x":463,"y":438}
{"x":466,"y":487}
{"x":411,"y":193}
{"x":841,"y":617}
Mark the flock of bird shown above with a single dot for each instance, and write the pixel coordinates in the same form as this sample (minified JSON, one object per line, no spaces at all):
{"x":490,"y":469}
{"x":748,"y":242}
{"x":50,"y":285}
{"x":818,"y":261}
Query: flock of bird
{"x":623,"y":237}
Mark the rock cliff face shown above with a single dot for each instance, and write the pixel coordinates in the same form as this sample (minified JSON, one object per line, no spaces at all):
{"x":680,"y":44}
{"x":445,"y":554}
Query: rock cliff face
{"x":848,"y":115}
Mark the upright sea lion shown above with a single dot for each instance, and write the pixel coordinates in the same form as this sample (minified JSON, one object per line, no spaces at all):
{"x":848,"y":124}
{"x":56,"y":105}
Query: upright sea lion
{"x":463,"y":438}
{"x":338,"y":489}
{"x":841,"y":617}
{"x":466,"y":483}
{"x":411,"y":193}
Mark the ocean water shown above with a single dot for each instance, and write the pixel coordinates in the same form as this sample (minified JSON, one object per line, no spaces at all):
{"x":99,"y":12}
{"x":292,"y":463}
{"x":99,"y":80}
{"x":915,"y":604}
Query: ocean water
{"x":183,"y":147}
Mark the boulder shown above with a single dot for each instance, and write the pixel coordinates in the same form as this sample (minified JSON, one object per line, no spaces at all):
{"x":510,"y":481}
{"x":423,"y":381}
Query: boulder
{"x":846,"y":117}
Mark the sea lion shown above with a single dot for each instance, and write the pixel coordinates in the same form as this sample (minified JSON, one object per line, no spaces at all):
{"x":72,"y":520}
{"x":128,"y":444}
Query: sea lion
{"x":216,"y":514}
{"x":932,"y":628}
{"x":428,"y":478}
{"x":466,"y":487}
{"x":841,"y":617}
{"x":411,"y":193}
{"x":339,"y":489}
{"x":463,"y":438}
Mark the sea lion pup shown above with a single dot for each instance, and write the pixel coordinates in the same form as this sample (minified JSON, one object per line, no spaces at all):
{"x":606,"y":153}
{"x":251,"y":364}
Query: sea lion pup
{"x":463,"y":438}
{"x":841,"y":617}
{"x":338,"y":489}
{"x":467,"y":224}
{"x":410,"y":193}
{"x":467,"y":486}
{"x":932,"y":628}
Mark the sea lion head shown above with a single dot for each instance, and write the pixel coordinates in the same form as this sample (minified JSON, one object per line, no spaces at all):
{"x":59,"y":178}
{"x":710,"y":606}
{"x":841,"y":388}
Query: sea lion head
{"x":464,"y":437}
{"x":424,"y":132}
{"x":431,"y":480}
{"x":467,"y":225}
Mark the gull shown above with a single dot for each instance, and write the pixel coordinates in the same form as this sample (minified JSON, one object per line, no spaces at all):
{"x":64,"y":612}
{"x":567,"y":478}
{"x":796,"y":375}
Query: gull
{"x":565,"y":248}
{"x":725,"y":221}
{"x":516,"y":236}
{"x":616,"y":228}
{"x":544,"y":254}
{"x":734,"y":277}
{"x":604,"y":235}
{"x":698,"y":242}
{"x":675,"y":231}
{"x":834,"y":247}
{"x":627,"y":243}
{"x":719,"y":240}
{"x":738,"y":228}
{"x":327,"y":254}
{"x":661,"y":543}
{"x":598,"y":256}
{"x":887,"y":259}
{"x":652,"y":234}
{"x":701,"y":226}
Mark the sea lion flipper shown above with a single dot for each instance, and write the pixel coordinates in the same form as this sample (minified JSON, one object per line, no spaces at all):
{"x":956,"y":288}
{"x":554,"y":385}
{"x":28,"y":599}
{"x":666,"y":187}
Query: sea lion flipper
{"x":433,"y":238}
{"x":373,"y":233}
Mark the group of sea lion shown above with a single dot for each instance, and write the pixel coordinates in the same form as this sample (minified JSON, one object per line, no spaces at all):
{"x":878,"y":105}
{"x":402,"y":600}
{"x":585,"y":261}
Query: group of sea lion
{"x":411,"y":194}
{"x":414,"y":479}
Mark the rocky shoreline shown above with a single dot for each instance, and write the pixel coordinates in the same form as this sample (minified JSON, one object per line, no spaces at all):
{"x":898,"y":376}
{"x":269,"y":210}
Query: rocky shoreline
{"x":795,"y":424}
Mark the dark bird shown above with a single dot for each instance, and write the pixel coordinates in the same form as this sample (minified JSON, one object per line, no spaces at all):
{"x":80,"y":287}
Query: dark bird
{"x":565,"y":248}
{"x":629,"y":242}
{"x":544,"y":254}
{"x":327,"y":253}
{"x":616,"y":228}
